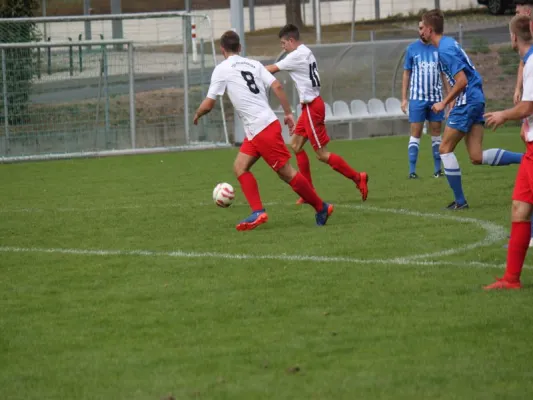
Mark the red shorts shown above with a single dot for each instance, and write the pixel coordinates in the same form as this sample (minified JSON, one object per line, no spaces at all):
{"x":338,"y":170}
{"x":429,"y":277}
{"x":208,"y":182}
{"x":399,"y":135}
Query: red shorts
{"x":311,"y":123}
{"x":523,"y":186}
{"x":269,"y":145}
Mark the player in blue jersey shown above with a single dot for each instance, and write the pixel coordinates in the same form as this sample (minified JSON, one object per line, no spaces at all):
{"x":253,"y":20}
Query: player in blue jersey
{"x":422,"y":79}
{"x":466,"y":117}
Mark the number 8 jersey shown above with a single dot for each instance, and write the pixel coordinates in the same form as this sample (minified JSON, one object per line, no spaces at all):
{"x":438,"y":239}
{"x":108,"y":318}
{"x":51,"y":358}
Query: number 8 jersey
{"x":301,"y":66}
{"x":246,"y":82}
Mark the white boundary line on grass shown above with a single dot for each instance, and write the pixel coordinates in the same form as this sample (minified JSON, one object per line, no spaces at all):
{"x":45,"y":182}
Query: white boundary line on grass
{"x":494,"y":233}
{"x":227,"y":256}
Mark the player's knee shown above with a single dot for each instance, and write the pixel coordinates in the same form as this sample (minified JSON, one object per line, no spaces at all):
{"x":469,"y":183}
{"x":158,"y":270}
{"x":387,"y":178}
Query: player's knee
{"x":296,"y":147}
{"x":286,"y":173}
{"x":239,"y":169}
{"x":445,"y":148}
{"x":476,"y":159}
{"x":323,"y":156}
{"x":520,"y":211}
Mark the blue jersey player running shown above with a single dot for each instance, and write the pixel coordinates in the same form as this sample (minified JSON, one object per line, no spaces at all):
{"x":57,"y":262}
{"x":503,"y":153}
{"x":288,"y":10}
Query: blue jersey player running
{"x":466,"y":117}
{"x":422,"y":79}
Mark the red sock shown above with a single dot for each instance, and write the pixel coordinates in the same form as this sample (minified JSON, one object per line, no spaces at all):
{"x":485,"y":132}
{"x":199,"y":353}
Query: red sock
{"x":303,"y":165}
{"x":516,"y":253}
{"x":251,"y":190}
{"x":302,"y":186}
{"x":338,"y":164}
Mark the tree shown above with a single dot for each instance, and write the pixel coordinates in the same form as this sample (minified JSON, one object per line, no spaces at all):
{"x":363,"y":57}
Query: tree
{"x":19,"y":63}
{"x":293,"y":11}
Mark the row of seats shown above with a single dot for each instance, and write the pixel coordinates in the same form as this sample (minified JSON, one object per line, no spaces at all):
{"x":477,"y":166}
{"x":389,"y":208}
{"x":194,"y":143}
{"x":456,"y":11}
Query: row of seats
{"x":358,"y":110}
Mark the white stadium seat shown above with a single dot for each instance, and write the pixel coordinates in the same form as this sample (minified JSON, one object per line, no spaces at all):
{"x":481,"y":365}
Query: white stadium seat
{"x":359,"y":109}
{"x":376,"y":108}
{"x":341,"y":110}
{"x":329,"y":112}
{"x":394,"y":107}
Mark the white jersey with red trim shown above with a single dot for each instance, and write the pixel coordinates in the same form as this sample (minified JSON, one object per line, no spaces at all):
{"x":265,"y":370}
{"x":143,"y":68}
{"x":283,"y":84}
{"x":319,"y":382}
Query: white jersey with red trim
{"x":527,"y":92}
{"x":246,"y":82}
{"x":301,"y":66}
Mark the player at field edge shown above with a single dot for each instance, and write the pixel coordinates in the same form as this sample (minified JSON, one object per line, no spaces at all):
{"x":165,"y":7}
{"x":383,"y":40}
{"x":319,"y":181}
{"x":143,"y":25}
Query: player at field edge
{"x":523,"y":7}
{"x":522,"y":205}
{"x":421,"y":88}
{"x":466,"y":117}
{"x":301,"y":65}
{"x":246,"y":82}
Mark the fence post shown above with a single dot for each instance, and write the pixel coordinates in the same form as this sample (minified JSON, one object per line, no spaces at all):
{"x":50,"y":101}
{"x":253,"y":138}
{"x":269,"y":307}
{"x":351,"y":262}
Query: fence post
{"x":49,"y":55}
{"x":202,"y":80}
{"x":186,"y":79}
{"x":80,"y":52}
{"x":352,"y":30}
{"x":38,"y":63}
{"x":4,"y":90}
{"x":251,"y":9}
{"x":318,"y":22}
{"x":106,"y":94}
{"x":70,"y":59}
{"x":376,"y":9}
{"x":461,"y":34}
{"x":133,"y":117}
{"x":373,"y":64}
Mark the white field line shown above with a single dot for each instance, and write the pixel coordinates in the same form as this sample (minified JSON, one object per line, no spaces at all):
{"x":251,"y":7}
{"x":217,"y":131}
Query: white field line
{"x":494,"y":233}
{"x":228,"y":256}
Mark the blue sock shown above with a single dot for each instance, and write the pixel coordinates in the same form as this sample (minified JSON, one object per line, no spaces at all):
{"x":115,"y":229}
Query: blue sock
{"x":453,"y":174}
{"x":412,"y":150}
{"x":499,"y":157}
{"x":435,"y":144}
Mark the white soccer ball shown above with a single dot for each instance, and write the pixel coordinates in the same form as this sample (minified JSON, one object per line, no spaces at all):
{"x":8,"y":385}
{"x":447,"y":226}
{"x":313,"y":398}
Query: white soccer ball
{"x":223,"y":195}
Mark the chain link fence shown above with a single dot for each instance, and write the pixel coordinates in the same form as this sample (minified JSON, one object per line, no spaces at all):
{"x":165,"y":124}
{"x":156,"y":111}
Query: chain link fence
{"x":75,"y":97}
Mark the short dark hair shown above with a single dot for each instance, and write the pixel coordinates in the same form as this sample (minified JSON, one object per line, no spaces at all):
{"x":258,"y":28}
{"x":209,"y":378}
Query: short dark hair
{"x":523,"y":2}
{"x":434,"y":19}
{"x":230,"y":41}
{"x":519,"y":25}
{"x":289,"y":31}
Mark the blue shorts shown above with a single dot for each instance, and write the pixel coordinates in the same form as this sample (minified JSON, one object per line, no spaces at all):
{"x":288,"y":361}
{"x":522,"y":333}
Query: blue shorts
{"x":420,"y":111}
{"x":463,"y":117}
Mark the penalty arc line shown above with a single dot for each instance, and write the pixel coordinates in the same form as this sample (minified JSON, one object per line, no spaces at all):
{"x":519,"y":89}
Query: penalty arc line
{"x":227,"y":256}
{"x":494,"y":234}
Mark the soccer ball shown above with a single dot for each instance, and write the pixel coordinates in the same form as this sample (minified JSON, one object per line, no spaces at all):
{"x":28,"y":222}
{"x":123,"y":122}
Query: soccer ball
{"x":223,"y":195}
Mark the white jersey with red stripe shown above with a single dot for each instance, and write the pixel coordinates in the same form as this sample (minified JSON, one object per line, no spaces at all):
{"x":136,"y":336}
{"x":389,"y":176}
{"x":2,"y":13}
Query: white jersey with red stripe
{"x":246,"y":82}
{"x":301,"y":66}
{"x":527,"y":92}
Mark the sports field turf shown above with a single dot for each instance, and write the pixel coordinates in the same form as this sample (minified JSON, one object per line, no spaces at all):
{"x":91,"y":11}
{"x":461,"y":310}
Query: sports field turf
{"x":120,"y":279}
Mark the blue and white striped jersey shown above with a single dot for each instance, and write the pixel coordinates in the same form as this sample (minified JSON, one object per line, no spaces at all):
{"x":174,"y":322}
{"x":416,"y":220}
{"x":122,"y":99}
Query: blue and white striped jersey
{"x":454,"y":59}
{"x":423,"y":62}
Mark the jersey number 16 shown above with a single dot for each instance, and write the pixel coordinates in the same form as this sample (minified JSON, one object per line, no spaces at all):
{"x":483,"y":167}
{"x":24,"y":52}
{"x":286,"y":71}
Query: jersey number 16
{"x":313,"y":75}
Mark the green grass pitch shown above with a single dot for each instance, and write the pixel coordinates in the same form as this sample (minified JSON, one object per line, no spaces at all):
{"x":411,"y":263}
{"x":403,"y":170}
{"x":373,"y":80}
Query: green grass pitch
{"x":120,"y":279}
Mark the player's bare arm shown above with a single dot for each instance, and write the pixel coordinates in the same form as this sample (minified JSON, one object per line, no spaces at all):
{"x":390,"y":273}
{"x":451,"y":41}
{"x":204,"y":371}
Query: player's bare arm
{"x":447,"y":89}
{"x":205,"y":107}
{"x":519,"y":81}
{"x":460,"y":83}
{"x":405,"y":86}
{"x":520,"y":111}
{"x":272,"y":68}
{"x":277,"y":88}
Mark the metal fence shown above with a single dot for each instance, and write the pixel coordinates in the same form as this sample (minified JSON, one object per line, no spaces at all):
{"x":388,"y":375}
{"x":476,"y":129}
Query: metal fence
{"x":99,"y":96}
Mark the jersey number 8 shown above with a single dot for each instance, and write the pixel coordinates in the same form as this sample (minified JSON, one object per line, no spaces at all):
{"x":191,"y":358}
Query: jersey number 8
{"x":250,"y":81}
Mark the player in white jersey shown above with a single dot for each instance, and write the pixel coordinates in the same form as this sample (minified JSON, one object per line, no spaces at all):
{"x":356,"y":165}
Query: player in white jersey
{"x":246,"y":82}
{"x":522,"y":208}
{"x":301,"y":64}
